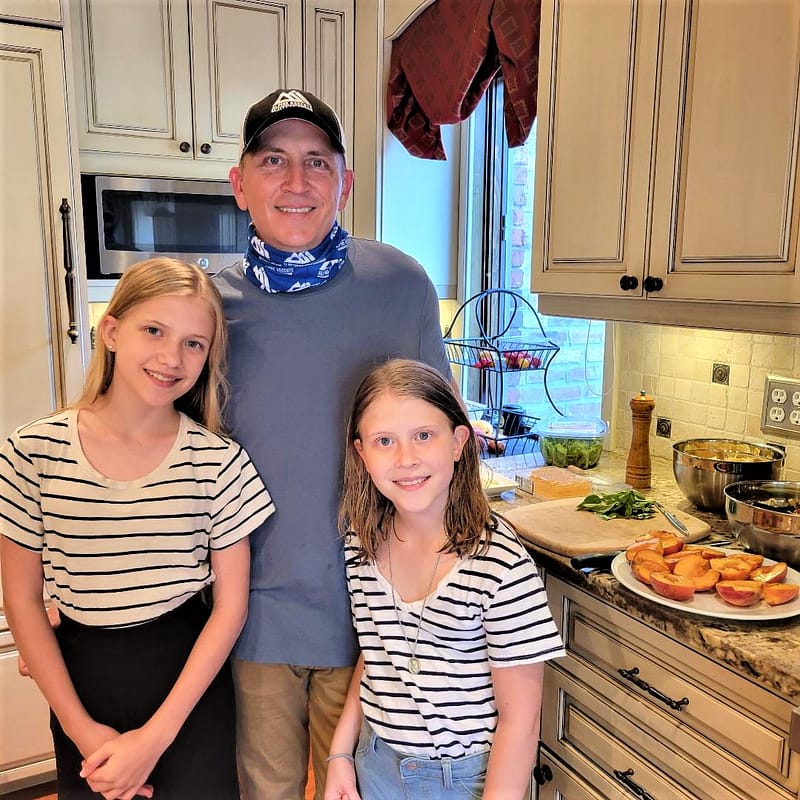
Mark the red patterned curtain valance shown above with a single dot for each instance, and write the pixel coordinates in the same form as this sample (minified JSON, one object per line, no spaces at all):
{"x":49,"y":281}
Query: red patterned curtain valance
{"x":443,"y":62}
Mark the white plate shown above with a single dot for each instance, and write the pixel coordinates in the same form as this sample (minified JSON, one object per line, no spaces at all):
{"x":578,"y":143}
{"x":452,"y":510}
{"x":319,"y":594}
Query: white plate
{"x":709,"y":604}
{"x":493,"y":482}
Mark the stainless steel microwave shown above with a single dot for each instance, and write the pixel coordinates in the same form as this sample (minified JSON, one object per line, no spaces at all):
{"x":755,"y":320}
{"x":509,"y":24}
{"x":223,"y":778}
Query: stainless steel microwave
{"x":130,"y":219}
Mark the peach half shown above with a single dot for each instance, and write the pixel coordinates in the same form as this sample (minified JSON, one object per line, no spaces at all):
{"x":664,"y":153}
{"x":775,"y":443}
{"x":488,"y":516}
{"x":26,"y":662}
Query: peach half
{"x":651,"y":543}
{"x":670,"y":543}
{"x":740,"y":593}
{"x":674,"y":587}
{"x":774,"y":573}
{"x":705,"y":582}
{"x":731,"y":568}
{"x":692,"y":566}
{"x":775,"y":594}
{"x":646,"y":562}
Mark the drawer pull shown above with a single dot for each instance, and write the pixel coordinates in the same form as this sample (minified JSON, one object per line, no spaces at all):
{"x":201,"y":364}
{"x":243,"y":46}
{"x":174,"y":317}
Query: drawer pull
{"x":630,"y":674}
{"x":625,"y":779}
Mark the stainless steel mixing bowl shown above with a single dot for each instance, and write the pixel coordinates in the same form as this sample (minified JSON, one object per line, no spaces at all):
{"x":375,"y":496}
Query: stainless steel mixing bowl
{"x":765,"y":517}
{"x":704,"y":467}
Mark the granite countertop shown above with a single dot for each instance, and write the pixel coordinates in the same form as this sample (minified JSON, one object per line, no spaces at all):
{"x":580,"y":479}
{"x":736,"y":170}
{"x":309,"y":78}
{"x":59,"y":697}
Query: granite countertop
{"x":767,"y":652}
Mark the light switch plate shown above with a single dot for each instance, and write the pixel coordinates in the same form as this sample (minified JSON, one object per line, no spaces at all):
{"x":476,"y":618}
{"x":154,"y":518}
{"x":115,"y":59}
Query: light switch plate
{"x":781,"y":410}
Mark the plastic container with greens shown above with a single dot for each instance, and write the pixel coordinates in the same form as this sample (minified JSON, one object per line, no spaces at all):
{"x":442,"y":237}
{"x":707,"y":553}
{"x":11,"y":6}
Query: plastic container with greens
{"x":565,"y":441}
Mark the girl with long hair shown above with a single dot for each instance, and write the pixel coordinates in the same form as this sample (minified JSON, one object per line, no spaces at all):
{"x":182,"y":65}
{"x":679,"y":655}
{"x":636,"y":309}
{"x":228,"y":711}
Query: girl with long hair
{"x":451,"y":615}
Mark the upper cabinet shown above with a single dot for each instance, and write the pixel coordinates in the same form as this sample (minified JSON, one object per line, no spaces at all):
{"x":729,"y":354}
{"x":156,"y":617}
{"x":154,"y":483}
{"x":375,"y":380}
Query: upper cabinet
{"x":667,"y":162}
{"x":163,"y":85}
{"x":43,"y":333}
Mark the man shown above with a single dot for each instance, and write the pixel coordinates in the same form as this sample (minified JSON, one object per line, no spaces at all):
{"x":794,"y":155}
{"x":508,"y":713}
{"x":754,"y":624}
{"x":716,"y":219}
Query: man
{"x":311,"y":309}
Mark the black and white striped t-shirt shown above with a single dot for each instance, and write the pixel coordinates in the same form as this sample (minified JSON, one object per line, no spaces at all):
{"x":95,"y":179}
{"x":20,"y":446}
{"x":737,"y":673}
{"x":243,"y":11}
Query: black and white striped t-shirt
{"x":488,"y":612}
{"x":119,"y":553}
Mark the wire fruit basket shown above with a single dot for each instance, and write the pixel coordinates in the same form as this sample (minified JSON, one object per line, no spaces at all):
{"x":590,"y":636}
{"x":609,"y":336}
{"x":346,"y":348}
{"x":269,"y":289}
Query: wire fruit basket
{"x":501,"y":430}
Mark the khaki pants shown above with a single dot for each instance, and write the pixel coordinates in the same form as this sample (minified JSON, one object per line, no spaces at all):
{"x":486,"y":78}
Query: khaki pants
{"x":280,"y":711}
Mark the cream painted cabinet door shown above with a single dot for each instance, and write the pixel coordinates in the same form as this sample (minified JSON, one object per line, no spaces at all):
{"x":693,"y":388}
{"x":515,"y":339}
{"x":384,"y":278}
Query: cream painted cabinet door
{"x":133,"y":77}
{"x":597,"y":66}
{"x":328,"y":66}
{"x":667,"y":159}
{"x":726,"y":205}
{"x":35,"y":11}
{"x":241,"y":50}
{"x":40,"y":367}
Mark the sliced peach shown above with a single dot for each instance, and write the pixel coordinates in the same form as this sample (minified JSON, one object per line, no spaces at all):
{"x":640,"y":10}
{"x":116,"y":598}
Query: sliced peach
{"x":646,"y":562}
{"x":673,"y":558}
{"x":753,"y":559}
{"x":712,"y":552}
{"x":774,"y":573}
{"x":692,"y":566}
{"x":775,"y":594}
{"x":669,"y":541}
{"x":651,"y":543}
{"x":731,"y":568}
{"x":705,"y":582}
{"x":740,"y":593}
{"x":675,"y":587}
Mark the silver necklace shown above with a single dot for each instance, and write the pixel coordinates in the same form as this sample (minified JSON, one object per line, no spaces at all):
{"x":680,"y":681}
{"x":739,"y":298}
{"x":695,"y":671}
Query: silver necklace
{"x":413,"y":663}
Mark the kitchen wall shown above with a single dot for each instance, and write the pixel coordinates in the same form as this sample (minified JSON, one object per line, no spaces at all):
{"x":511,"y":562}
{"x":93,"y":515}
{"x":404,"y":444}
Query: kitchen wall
{"x":675,"y":366}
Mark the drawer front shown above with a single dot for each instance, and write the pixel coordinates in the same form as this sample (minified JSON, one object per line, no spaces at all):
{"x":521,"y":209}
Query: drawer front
{"x":716,"y":703}
{"x":564,"y":784}
{"x":594,"y":726}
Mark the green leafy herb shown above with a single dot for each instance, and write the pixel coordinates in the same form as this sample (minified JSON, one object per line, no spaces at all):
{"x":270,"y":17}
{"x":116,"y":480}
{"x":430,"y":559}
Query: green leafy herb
{"x":627,"y":504}
{"x":584,"y":453}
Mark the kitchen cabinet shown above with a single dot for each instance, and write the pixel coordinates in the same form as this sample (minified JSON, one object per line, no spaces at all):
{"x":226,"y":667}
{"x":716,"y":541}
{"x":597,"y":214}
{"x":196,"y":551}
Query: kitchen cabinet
{"x":43,"y":338}
{"x":32,"y":11}
{"x":26,"y":747}
{"x":667,"y":162}
{"x":163,"y":86}
{"x":41,"y":367}
{"x":632,"y":712}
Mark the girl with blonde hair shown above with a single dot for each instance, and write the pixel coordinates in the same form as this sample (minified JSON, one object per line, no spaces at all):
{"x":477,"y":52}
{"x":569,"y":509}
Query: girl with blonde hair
{"x":131,"y":510}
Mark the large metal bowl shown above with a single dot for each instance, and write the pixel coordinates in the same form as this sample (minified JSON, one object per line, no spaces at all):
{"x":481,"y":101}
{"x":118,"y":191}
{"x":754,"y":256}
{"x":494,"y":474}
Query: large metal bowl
{"x":761,"y":516}
{"x":704,"y":467}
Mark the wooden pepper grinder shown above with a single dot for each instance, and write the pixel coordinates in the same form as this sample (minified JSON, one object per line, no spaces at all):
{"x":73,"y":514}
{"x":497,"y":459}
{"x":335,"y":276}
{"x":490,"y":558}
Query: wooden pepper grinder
{"x":638,"y":468}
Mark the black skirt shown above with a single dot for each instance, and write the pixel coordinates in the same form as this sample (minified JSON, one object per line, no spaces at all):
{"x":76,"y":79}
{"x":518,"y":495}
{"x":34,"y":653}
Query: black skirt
{"x":122,"y":675}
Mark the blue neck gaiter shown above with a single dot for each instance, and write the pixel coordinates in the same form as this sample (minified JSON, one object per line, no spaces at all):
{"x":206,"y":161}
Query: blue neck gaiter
{"x":274,"y":270}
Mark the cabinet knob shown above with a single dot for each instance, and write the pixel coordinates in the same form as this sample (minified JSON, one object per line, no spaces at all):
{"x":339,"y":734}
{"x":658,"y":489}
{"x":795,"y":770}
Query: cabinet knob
{"x":184,"y":147}
{"x":653,"y":284}
{"x":205,"y":148}
{"x":628,"y":282}
{"x":542,"y":774}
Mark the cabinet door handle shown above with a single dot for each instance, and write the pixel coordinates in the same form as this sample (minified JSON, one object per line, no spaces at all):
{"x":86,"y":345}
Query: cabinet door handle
{"x":205,"y":148}
{"x":69,"y":270}
{"x":628,"y":282}
{"x":630,"y":675}
{"x":653,"y":284}
{"x":625,"y":779}
{"x":184,"y":147}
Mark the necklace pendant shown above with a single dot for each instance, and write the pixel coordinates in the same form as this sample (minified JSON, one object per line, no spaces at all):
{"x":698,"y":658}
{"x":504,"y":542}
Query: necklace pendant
{"x":413,"y":665}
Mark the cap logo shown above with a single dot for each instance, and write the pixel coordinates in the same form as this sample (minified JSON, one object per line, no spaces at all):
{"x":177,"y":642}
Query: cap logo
{"x":290,"y":100}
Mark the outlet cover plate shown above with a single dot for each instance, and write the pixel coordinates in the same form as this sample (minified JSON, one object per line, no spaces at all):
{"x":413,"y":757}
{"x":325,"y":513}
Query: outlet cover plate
{"x":781,"y":410}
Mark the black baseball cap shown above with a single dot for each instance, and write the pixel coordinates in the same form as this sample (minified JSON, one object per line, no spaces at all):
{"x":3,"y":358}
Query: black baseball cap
{"x":290,"y":104}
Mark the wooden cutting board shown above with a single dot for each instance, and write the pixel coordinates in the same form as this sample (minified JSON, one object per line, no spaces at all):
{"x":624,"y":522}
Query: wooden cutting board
{"x":558,"y":526}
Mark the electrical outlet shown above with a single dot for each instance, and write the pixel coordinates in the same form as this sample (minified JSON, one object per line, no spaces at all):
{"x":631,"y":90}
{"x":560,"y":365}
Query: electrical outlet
{"x":781,"y":410}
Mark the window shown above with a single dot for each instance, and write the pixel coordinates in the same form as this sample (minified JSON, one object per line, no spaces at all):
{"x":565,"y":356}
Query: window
{"x":499,"y":184}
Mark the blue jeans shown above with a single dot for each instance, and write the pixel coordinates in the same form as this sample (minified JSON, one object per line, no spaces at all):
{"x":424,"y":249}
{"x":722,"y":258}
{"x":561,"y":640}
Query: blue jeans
{"x":386,"y":774}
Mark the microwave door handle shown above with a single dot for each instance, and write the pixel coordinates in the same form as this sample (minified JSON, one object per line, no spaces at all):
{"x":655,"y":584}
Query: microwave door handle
{"x":69,"y":271}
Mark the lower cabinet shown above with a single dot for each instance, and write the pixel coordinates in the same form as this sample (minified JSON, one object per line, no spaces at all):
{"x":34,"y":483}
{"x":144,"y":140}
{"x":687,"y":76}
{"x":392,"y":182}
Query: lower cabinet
{"x":631,"y":712}
{"x":26,"y":748}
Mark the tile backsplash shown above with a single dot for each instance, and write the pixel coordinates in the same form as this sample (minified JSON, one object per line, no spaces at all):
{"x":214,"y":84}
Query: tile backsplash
{"x":676,"y":365}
